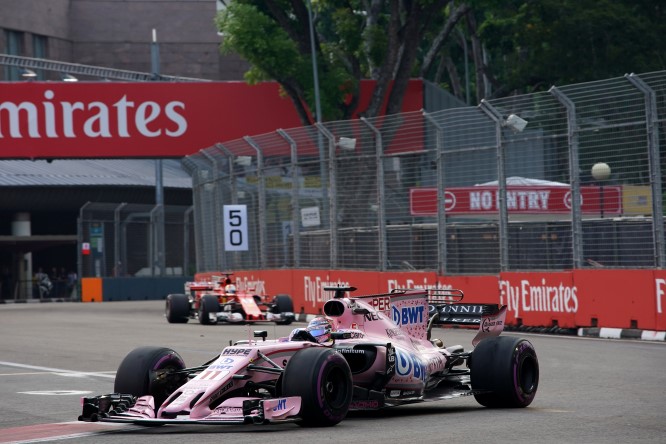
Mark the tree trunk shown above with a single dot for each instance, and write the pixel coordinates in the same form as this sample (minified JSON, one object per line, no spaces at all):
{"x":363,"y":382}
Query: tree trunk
{"x":455,"y":78}
{"x":436,"y":46}
{"x":477,"y":56}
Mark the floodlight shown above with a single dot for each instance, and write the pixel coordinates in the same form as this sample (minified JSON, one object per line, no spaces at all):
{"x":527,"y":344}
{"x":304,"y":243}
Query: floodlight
{"x":516,"y":123}
{"x":243,"y":160}
{"x":28,"y":73}
{"x":66,"y":77}
{"x":347,"y":143}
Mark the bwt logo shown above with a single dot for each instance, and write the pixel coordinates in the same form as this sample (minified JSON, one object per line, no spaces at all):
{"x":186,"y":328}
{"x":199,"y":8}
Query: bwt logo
{"x":661,"y":291}
{"x":281,"y":405}
{"x":410,"y":365}
{"x":408,"y":315}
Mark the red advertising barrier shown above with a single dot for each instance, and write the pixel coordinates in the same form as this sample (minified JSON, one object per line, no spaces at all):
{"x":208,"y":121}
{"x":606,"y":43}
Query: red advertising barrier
{"x":539,"y":298}
{"x":571,"y":299}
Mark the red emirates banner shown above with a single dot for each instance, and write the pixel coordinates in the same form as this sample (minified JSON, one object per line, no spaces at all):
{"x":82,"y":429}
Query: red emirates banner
{"x":569,"y":299}
{"x":521,"y":199}
{"x":148,"y":119}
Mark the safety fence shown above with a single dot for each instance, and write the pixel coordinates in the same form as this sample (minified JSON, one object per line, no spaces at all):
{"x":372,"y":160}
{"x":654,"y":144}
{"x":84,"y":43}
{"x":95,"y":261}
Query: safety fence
{"x":564,"y":179}
{"x":119,"y":240}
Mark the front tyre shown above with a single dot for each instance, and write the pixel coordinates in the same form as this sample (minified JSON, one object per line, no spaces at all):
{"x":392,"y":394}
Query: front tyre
{"x":507,"y":367}
{"x":146,"y":371}
{"x":177,"y":309}
{"x":283,"y":304}
{"x":208,"y":305}
{"x":323,"y":380}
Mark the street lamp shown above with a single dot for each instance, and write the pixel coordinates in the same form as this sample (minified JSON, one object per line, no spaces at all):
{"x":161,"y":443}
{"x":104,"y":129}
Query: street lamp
{"x":601,"y":172}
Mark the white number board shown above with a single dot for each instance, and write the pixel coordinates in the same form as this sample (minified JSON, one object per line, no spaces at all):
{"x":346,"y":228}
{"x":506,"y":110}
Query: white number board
{"x":235,"y":228}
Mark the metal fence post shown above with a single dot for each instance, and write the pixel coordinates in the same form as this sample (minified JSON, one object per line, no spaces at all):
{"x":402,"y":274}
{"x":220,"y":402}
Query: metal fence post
{"x":332,"y":200}
{"x":262,"y":201}
{"x":116,"y":238}
{"x":154,"y":239}
{"x":295,"y":205}
{"x":495,"y":115}
{"x":232,"y":176}
{"x":381,"y":200}
{"x":574,"y":177}
{"x":186,"y":240}
{"x":79,"y":252}
{"x":655,"y":166}
{"x":218,"y":236}
{"x":233,"y":193}
{"x":441,"y":196}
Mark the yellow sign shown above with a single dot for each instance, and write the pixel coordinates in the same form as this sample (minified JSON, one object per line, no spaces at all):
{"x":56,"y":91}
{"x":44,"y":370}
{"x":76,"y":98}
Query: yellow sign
{"x":636,"y":200}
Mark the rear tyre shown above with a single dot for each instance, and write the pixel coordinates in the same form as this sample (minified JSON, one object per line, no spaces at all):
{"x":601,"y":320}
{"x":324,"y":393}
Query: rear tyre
{"x":144,"y":371}
{"x":177,"y":309}
{"x":323,"y":380}
{"x":508,"y":368}
{"x":283,"y":304}
{"x":208,"y":304}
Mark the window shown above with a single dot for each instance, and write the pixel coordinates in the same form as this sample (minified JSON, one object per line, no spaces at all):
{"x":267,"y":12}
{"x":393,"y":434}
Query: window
{"x":14,"y":46}
{"x":39,"y":51}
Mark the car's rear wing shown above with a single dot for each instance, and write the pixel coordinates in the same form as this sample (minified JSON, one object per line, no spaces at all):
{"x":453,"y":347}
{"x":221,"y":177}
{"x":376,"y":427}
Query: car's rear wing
{"x":461,"y":314}
{"x":407,"y":308}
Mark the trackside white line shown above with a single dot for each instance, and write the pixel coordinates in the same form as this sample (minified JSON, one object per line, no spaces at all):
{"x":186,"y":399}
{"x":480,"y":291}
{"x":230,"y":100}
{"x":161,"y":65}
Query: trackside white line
{"x":56,"y":370}
{"x":55,"y":438}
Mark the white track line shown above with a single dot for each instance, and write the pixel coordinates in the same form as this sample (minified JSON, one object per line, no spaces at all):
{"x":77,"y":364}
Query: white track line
{"x":58,"y":370}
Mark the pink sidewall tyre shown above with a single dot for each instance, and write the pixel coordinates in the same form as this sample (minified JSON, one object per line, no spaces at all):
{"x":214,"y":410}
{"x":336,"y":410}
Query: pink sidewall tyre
{"x":323,"y":380}
{"x":506,"y":368}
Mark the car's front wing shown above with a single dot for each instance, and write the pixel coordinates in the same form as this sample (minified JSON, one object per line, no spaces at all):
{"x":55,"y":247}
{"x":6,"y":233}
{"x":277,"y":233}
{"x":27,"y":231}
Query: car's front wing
{"x":123,"y":408}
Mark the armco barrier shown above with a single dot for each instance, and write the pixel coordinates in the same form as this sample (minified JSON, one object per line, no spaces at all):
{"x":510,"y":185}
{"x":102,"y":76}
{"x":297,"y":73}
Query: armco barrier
{"x":629,"y":299}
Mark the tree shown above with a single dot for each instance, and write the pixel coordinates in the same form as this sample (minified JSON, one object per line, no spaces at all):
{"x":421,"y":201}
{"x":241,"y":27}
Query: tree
{"x":537,"y":44}
{"x":354,"y":40}
{"x":515,"y":46}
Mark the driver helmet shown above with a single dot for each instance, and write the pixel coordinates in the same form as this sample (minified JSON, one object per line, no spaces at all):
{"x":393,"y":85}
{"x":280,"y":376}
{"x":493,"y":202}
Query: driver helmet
{"x":230,"y":289}
{"x":321,"y":328}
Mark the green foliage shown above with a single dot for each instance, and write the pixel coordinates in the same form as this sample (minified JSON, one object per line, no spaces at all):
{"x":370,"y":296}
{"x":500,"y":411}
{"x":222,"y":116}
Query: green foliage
{"x":537,"y":44}
{"x":249,"y":32}
{"x":530,"y":44}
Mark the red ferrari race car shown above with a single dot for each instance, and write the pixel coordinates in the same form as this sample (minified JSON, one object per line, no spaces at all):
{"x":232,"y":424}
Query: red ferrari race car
{"x":219,"y":300}
{"x":366,"y":353}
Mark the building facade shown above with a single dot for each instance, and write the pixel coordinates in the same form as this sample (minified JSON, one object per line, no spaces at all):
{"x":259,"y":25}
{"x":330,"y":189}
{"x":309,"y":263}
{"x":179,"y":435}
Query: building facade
{"x":38,"y":217}
{"x":117,"y":34}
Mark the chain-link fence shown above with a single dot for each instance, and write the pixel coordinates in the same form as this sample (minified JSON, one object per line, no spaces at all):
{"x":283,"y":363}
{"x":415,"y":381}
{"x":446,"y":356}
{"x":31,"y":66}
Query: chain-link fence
{"x":119,"y":240}
{"x":555,"y":180}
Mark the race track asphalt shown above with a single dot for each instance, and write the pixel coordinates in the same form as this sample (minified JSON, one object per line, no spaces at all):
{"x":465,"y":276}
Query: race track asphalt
{"x":591,"y":390}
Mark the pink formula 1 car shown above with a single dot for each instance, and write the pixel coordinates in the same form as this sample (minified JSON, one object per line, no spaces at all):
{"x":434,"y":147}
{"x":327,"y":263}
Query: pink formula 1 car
{"x":367,"y":353}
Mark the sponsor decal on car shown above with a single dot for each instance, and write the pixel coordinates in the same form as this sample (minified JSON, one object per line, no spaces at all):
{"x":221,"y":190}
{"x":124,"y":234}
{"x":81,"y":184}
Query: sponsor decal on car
{"x":393,"y":332}
{"x":228,"y":411}
{"x":365,"y":404}
{"x":221,"y":391}
{"x":408,"y":315}
{"x":381,"y":303}
{"x":410,"y":365}
{"x":237,"y":351}
{"x":281,"y":404}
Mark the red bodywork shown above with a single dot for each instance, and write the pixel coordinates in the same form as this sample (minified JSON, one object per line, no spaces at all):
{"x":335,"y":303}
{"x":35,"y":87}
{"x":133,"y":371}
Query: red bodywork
{"x":249,"y":301}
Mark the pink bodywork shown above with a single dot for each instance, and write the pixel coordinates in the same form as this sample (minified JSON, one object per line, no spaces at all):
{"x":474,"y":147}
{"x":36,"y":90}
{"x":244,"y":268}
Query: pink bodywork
{"x":400,"y":320}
